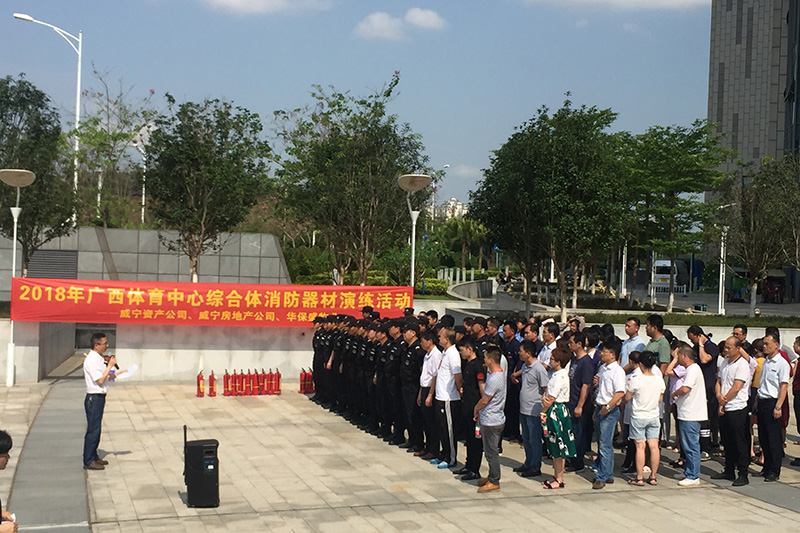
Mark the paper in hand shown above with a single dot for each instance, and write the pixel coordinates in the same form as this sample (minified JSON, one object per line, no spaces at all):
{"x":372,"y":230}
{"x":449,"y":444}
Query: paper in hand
{"x":125,"y":375}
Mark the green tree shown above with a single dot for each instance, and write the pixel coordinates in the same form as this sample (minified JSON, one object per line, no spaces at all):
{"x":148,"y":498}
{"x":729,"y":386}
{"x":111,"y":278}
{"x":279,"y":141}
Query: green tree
{"x":674,"y":165}
{"x":31,"y":139}
{"x":111,"y":177}
{"x":208,"y":169}
{"x":506,"y":203}
{"x":343,"y":157}
{"x":465,"y":232}
{"x":756,"y":215}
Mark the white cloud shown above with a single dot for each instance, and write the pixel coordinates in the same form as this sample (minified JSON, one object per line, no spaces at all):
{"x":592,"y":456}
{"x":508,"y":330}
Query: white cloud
{"x":635,"y":29}
{"x":628,"y":4}
{"x":466,"y":171}
{"x":268,"y":6}
{"x":381,"y":25}
{"x":425,"y":18}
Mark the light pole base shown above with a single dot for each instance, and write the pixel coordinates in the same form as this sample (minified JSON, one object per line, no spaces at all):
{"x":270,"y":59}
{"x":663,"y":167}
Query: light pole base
{"x":10,"y":365}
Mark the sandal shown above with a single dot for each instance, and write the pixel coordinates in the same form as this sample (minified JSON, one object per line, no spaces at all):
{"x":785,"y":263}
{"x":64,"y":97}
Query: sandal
{"x":549,"y":484}
{"x":636,"y":482}
{"x":652,"y":481}
{"x":677,"y":463}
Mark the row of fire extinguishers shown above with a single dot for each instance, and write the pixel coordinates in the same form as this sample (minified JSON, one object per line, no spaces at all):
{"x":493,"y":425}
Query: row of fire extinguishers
{"x":242,"y":383}
{"x":307,"y":382}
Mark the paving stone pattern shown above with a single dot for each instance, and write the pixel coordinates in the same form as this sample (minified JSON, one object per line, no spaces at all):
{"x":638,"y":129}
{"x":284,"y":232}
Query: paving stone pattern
{"x":288,"y":465}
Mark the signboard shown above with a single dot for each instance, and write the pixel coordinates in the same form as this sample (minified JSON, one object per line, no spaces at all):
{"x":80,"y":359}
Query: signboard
{"x":195,"y":304}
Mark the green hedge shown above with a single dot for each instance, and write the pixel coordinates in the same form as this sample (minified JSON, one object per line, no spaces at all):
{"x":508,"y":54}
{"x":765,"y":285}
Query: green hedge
{"x":437,"y":287}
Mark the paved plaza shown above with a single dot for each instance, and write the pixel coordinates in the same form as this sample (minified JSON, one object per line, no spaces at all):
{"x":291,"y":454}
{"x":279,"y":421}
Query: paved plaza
{"x":288,"y":465}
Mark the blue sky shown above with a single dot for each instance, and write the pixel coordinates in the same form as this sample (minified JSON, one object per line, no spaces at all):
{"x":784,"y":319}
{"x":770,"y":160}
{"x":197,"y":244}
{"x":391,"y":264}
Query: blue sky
{"x":471,"y":70}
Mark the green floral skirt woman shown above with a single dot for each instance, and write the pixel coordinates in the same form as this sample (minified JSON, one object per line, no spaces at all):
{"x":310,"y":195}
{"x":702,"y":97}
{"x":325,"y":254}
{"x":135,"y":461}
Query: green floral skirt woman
{"x":560,"y":439}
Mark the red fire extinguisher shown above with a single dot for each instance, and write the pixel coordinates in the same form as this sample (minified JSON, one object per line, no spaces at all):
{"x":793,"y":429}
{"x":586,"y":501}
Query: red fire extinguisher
{"x":302,"y":381}
{"x":310,"y":377}
{"x":226,"y":384}
{"x":270,"y":382}
{"x":262,"y":382}
{"x":277,"y":381}
{"x":254,"y":383}
{"x":237,"y":383}
{"x":246,"y":384}
{"x":212,"y":385}
{"x":200,"y":384}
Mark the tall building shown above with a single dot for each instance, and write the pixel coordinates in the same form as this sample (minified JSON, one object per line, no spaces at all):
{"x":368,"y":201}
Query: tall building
{"x":752,"y":73}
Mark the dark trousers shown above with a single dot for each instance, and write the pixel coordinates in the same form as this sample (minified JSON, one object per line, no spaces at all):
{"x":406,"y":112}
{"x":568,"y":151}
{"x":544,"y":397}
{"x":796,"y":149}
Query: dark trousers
{"x":770,"y":435}
{"x":709,"y":429}
{"x":429,"y":423}
{"x":372,"y":400}
{"x":381,"y":403}
{"x":474,"y":445}
{"x":796,"y":403}
{"x":413,"y":414}
{"x":448,"y":414}
{"x":735,"y":434}
{"x":94,"y":404}
{"x":511,"y":430}
{"x":582,"y":429}
{"x":396,"y":405}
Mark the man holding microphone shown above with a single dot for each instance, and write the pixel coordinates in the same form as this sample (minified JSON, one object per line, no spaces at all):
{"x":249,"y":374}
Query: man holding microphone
{"x":97,"y":373}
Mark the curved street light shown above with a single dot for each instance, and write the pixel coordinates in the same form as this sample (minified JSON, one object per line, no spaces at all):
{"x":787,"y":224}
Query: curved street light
{"x":413,"y":183}
{"x":15,"y":178}
{"x":77,"y":45}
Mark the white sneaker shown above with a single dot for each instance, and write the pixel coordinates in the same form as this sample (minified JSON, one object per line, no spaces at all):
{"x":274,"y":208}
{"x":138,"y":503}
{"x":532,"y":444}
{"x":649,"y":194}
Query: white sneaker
{"x":686,"y":482}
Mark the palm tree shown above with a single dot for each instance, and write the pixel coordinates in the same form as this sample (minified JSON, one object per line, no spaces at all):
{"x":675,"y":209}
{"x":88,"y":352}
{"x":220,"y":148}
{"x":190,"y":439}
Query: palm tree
{"x":465,"y":231}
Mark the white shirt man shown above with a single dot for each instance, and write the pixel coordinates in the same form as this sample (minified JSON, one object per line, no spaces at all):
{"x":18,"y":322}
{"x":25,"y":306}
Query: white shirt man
{"x":96,"y":373}
{"x":447,"y":383}
{"x":732,"y":389}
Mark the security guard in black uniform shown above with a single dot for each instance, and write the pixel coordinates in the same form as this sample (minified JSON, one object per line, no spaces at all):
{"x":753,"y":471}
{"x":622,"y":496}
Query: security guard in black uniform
{"x":397,"y":347}
{"x":384,"y":410}
{"x":410,"y":369}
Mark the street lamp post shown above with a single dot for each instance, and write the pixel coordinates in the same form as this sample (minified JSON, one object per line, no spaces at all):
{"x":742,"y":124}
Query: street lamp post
{"x":413,"y":183}
{"x":77,"y":45}
{"x":722,"y":260}
{"x":15,"y":178}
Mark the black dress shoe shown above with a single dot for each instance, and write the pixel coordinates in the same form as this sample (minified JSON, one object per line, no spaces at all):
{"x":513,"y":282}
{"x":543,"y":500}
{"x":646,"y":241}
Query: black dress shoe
{"x":414,"y":449}
{"x":407,"y":444}
{"x":572,"y":468}
{"x":469,"y":476}
{"x":628,"y":470}
{"x":741,"y":481}
{"x":771,"y":477}
{"x":397,"y":442}
{"x":461,"y":471}
{"x":795,"y":462}
{"x":531,"y":473}
{"x":723,"y":475}
{"x":521,"y":468}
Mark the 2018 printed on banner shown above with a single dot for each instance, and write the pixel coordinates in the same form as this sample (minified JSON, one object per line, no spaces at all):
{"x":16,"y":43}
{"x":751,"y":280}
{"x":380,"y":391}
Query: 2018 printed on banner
{"x":195,"y":304}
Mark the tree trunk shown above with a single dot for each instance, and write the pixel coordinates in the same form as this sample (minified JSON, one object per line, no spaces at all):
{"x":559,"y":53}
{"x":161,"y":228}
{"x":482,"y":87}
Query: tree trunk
{"x":463,"y":253}
{"x":539,"y":269}
{"x":671,"y":300}
{"x":575,"y":287}
{"x":528,"y":283}
{"x":193,"y":268}
{"x":480,"y":259}
{"x":753,"y":296}
{"x":562,"y":283}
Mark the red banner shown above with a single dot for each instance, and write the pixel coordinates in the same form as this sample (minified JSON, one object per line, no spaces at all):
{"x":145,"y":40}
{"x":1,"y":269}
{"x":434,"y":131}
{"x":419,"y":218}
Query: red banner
{"x":195,"y":304}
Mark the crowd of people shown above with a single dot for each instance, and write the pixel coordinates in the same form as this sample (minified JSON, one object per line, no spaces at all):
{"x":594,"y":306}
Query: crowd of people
{"x":424,"y":383}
